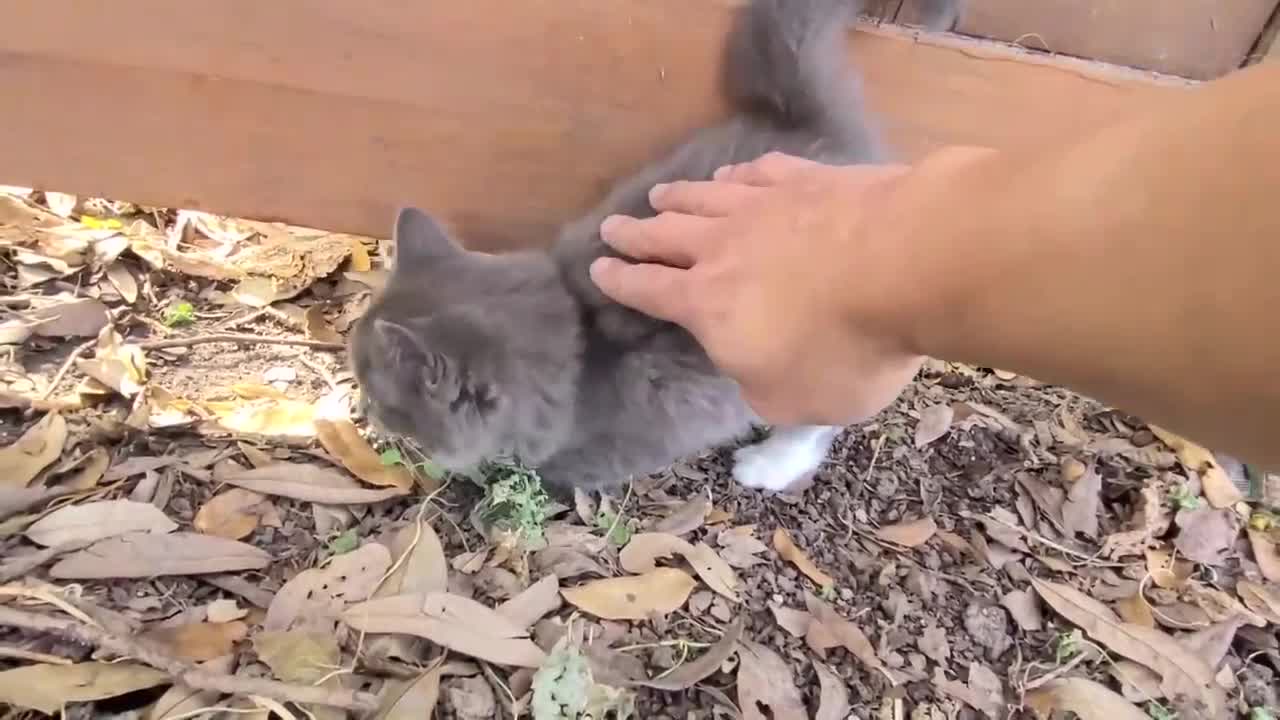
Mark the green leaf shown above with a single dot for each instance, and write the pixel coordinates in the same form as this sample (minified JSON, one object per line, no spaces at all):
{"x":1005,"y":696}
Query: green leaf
{"x":344,"y":543}
{"x":183,"y":313}
{"x":391,"y":456}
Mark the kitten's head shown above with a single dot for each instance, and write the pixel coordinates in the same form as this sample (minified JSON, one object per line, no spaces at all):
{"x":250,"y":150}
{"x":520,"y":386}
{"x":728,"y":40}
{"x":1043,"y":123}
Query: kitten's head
{"x":470,"y":355}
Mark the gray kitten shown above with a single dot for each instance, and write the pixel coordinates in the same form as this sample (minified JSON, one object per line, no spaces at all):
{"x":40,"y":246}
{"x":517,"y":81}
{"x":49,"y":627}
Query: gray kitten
{"x":476,"y":356}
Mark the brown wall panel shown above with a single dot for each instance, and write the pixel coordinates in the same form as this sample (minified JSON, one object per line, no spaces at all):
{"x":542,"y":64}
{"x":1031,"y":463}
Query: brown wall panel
{"x":1198,"y":39}
{"x":504,"y":118}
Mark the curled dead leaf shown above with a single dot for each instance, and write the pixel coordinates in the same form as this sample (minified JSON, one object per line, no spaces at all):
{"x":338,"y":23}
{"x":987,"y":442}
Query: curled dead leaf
{"x":1181,"y":672}
{"x":787,"y":550}
{"x":639,"y":556}
{"x":48,"y":688}
{"x":1261,"y":599}
{"x":309,"y":483}
{"x":146,"y":554}
{"x":84,"y":317}
{"x":297,"y":655}
{"x":1266,"y":552}
{"x":37,"y":449}
{"x":847,"y":634}
{"x":233,"y":514}
{"x":1206,"y":535}
{"x":99,"y":520}
{"x":1166,"y":571}
{"x":935,"y":421}
{"x":1214,"y":481}
{"x":661,"y":591}
{"x":198,"y":642}
{"x":533,"y":603}
{"x":344,"y":442}
{"x":1087,"y":699}
{"x":833,"y":702}
{"x":457,"y":623}
{"x":765,"y":682}
{"x":686,"y":518}
{"x":312,"y":598}
{"x":911,"y":533}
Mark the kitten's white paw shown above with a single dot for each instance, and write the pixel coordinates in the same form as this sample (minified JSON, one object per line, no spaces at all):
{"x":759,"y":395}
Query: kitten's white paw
{"x":763,"y":467}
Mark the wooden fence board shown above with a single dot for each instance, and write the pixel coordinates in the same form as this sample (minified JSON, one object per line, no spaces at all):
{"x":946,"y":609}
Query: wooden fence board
{"x":1199,"y":39}
{"x":503,"y":118}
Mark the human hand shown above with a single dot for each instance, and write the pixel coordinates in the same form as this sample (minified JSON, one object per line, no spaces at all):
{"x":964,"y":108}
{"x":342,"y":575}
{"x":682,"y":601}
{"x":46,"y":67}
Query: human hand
{"x":792,"y":275}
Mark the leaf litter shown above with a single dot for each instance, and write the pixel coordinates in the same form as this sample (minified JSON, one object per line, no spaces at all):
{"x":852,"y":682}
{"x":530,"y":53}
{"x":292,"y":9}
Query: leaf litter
{"x":694,"y":576}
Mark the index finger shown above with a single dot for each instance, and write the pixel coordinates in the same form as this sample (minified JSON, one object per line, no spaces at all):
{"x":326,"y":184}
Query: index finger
{"x":656,"y":290}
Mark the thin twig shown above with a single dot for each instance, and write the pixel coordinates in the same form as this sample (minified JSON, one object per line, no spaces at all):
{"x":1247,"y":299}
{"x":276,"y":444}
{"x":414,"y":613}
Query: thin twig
{"x":191,"y":677}
{"x":240,"y":338}
{"x":66,"y":367}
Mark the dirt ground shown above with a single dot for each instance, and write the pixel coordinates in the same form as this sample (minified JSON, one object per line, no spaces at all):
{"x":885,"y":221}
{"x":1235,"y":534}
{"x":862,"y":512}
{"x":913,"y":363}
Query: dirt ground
{"x":183,"y":483}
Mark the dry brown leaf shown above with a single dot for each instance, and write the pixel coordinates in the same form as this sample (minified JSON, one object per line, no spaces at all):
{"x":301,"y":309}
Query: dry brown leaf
{"x":343,"y":441}
{"x":1266,"y":553}
{"x":1150,"y":520}
{"x":424,"y":570}
{"x":787,"y":550}
{"x":180,"y":699}
{"x":935,"y":421}
{"x":565,"y":563}
{"x":1168,"y":572}
{"x":117,"y":365}
{"x":309,"y":483}
{"x":198,"y":642}
{"x":89,"y":470}
{"x":639,"y":556}
{"x":84,"y":317}
{"x":271,"y":416}
{"x":255,"y":456}
{"x":233,"y":514}
{"x":848,"y":635}
{"x":414,"y":699}
{"x":694,"y":672}
{"x":38,"y":447}
{"x":685,"y":519}
{"x":534,"y":603}
{"x":457,"y":623}
{"x":95,"y":521}
{"x":1080,"y":509}
{"x":62,"y":204}
{"x":223,"y":610}
{"x":1214,"y":481}
{"x":635,"y":597}
{"x":144,"y":554}
{"x":122,"y":280}
{"x":1206,"y":535}
{"x":1087,"y":699}
{"x":765,"y":682}
{"x":741,"y":549}
{"x":912,"y":533}
{"x":1181,"y":672}
{"x":298,"y":656}
{"x":1024,"y":607}
{"x":1261,"y":599}
{"x":47,"y":688}
{"x":317,"y":594}
{"x":833,"y":701}
{"x":795,"y":622}
{"x":1135,"y":610}
{"x":318,"y":327}
{"x":984,"y":692}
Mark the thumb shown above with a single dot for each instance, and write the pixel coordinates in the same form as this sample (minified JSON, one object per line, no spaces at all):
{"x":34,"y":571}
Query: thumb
{"x":656,"y":290}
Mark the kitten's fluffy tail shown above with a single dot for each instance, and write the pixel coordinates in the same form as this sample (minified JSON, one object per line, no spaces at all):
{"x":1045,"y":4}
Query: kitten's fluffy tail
{"x":787,"y":63}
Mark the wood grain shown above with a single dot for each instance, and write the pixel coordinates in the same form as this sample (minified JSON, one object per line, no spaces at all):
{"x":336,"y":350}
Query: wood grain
{"x":1199,"y":39}
{"x":505,"y":119}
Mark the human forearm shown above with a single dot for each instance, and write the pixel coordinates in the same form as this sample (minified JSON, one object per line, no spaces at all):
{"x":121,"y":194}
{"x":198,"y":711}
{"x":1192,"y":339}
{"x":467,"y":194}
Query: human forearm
{"x":1139,"y":264}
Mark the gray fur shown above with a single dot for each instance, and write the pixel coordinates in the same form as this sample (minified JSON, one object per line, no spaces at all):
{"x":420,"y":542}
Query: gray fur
{"x":476,"y":356}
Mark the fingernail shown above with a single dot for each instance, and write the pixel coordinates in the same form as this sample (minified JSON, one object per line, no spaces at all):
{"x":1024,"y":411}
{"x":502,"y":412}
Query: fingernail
{"x":601,"y":266}
{"x":657,"y":191}
{"x":613,"y":222}
{"x":721,"y":172}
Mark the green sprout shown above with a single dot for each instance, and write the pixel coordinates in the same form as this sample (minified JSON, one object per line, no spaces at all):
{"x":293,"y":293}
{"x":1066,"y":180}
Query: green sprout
{"x":178,"y":314}
{"x":1182,"y":498}
{"x":514,"y":501}
{"x":619,"y":533}
{"x":1067,"y":646}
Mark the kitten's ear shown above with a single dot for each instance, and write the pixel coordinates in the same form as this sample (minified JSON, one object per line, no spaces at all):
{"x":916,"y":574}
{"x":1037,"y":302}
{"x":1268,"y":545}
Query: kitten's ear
{"x":407,"y":356}
{"x":419,"y":239}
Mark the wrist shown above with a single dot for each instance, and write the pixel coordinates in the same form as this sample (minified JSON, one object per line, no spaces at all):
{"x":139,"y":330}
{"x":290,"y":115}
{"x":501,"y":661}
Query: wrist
{"x":939,"y":219}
